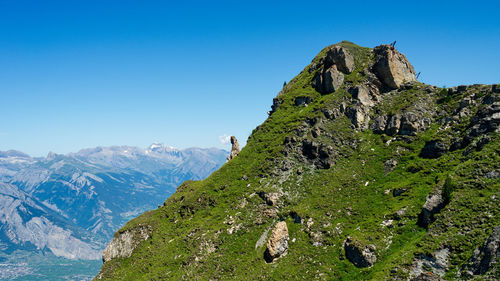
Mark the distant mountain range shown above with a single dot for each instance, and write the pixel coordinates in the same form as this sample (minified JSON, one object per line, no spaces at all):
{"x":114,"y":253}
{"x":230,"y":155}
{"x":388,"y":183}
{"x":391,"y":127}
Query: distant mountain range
{"x":70,"y":205}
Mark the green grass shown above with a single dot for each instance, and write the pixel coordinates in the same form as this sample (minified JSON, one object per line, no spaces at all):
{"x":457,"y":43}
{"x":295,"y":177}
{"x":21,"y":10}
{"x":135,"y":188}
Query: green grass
{"x":351,"y":198}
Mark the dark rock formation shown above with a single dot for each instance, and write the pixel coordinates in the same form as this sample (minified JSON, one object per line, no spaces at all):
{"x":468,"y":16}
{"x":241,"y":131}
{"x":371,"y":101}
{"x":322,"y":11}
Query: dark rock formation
{"x":433,"y":205}
{"x":360,"y":256}
{"x":485,"y":257}
{"x":302,"y":100}
{"x":433,"y":149}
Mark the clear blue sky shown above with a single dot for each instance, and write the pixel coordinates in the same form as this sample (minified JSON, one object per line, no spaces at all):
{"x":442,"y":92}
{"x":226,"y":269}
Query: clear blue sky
{"x":76,"y":74}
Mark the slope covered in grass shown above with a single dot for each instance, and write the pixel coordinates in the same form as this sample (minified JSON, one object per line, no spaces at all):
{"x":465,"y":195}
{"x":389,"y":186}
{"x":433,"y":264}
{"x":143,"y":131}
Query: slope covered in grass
{"x":345,"y":169}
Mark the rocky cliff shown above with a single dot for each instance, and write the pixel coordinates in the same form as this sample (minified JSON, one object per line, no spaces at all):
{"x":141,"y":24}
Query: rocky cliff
{"x":360,"y":173}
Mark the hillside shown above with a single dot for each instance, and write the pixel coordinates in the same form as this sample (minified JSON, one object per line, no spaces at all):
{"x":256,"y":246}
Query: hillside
{"x":360,"y":173}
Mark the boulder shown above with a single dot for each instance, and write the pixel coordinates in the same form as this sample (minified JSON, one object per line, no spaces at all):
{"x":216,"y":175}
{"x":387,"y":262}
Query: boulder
{"x":433,"y":205}
{"x":411,"y":124}
{"x":235,"y":148}
{"x":332,"y":80}
{"x":379,"y":124}
{"x":362,"y":95}
{"x":358,"y":116}
{"x":393,"y":125}
{"x":340,"y":57}
{"x":433,"y":149}
{"x":277,"y":245}
{"x":391,"y":67}
{"x":302,"y":100}
{"x":484,"y":258}
{"x":360,"y":256}
{"x":270,"y":198}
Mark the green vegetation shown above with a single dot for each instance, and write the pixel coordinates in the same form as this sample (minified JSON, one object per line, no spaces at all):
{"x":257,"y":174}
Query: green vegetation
{"x":208,"y":229}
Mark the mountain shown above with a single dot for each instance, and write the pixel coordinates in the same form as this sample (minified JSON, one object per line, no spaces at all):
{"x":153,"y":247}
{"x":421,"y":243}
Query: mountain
{"x":70,"y":205}
{"x":360,"y":173}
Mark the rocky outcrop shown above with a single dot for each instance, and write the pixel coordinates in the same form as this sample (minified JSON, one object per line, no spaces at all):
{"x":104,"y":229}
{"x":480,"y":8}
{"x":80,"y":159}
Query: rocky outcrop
{"x":391,"y":67}
{"x":331,"y":80}
{"x":433,"y":205}
{"x":271,"y":198}
{"x":277,"y":245}
{"x":435,"y":264}
{"x":338,"y":61}
{"x":124,"y":243}
{"x":340,"y":57}
{"x":303,"y":100}
{"x":486,"y":257}
{"x":433,"y":149}
{"x":360,"y":256}
{"x":235,"y":148}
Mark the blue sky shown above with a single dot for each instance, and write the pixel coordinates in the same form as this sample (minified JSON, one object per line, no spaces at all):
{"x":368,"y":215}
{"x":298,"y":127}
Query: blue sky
{"x":77,"y":74}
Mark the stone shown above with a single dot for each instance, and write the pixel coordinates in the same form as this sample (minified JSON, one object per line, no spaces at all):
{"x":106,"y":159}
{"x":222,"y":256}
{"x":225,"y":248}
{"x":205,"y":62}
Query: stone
{"x":235,"y":148}
{"x":358,"y":116}
{"x":362,"y":94}
{"x":433,"y":149}
{"x":411,"y":124}
{"x":435,"y":264}
{"x":124,"y":243}
{"x":378,"y":125}
{"x":340,"y":57}
{"x":393,"y":125}
{"x":486,"y":257}
{"x":303,"y":100}
{"x":277,"y":245}
{"x":271,"y":198}
{"x":389,"y":165}
{"x":276,"y":104}
{"x":318,"y":154}
{"x":360,"y":256}
{"x":433,"y":204}
{"x":391,"y":67}
{"x":332,"y":80}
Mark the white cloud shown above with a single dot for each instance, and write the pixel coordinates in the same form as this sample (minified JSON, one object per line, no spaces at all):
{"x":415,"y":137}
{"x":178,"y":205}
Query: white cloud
{"x":225,"y":139}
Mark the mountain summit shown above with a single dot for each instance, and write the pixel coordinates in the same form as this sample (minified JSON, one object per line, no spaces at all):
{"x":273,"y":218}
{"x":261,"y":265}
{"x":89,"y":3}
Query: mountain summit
{"x":360,"y":173}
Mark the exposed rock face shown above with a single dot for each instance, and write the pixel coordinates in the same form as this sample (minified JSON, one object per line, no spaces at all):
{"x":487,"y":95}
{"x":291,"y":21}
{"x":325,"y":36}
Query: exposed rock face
{"x":362,"y":94}
{"x":392,"y":67}
{"x":485,"y":257}
{"x":302,"y":100}
{"x":270,"y":198}
{"x":433,"y":149}
{"x":358,"y":116}
{"x":332,"y":80}
{"x":360,"y":256}
{"x":378,"y":125}
{"x":393,"y":125}
{"x":124,"y":244}
{"x":338,"y":61}
{"x":235,"y":148}
{"x":340,"y":57}
{"x":437,"y":264}
{"x":433,"y":205}
{"x":277,"y":245}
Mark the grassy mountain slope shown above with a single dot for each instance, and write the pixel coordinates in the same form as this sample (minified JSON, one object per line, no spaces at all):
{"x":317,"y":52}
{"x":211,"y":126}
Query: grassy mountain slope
{"x":320,"y":164}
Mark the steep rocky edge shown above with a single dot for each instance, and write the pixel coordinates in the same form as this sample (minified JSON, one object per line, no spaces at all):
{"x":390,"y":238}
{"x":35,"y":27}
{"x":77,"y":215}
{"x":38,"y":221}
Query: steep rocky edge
{"x":360,"y":172}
